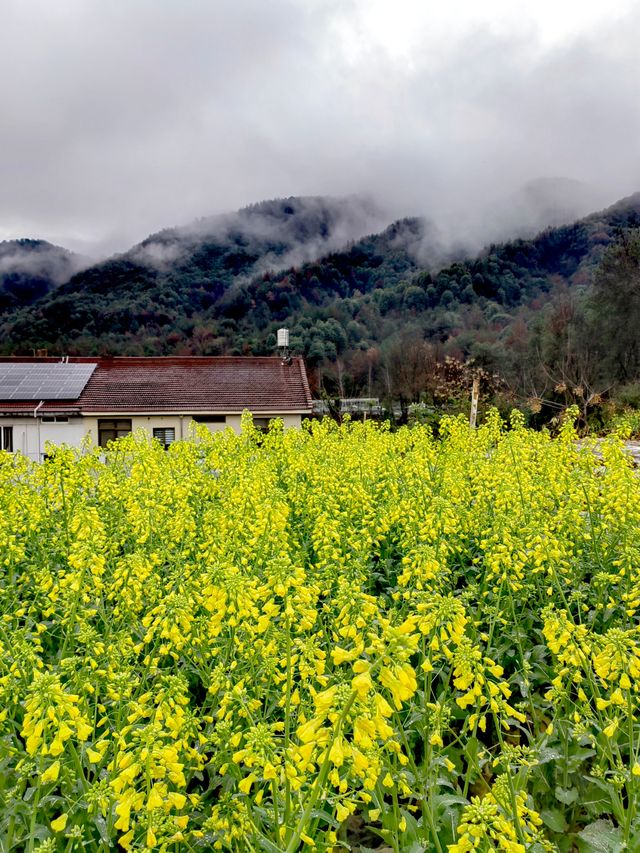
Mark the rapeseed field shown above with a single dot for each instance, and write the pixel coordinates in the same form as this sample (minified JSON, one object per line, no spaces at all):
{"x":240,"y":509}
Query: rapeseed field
{"x":260,"y":643}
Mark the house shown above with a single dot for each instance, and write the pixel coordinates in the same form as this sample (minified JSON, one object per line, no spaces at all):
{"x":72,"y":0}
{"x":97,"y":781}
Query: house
{"x":49,"y":399}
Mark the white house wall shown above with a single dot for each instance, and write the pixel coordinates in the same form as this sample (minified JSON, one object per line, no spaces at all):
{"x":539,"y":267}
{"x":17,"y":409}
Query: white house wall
{"x":31,"y":434}
{"x":182,"y":424}
{"x":234,"y":421}
{"x":25,"y":436}
{"x":147,"y":423}
{"x":60,"y":433}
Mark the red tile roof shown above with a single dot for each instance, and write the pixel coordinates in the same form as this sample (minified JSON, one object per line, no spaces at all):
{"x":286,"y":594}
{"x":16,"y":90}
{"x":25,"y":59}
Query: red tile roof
{"x":49,"y":407}
{"x":188,"y":384}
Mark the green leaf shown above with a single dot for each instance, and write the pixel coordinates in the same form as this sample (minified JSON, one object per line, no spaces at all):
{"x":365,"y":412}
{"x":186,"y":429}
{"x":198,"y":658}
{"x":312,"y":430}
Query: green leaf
{"x":326,"y":816}
{"x":410,"y":834}
{"x":444,"y":801}
{"x":601,"y":836}
{"x":42,"y":832}
{"x":413,"y":847}
{"x":101,"y":826}
{"x":578,"y":757}
{"x":268,"y":845}
{"x":566,"y":795}
{"x":554,"y":819}
{"x":547,"y":754}
{"x":598,"y":798}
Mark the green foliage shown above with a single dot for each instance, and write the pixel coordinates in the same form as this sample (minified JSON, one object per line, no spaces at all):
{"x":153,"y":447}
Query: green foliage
{"x":616,"y":305}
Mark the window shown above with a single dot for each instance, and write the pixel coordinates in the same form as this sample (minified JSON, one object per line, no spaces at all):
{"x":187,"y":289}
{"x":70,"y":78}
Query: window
{"x":112,"y":429}
{"x":55,"y":419}
{"x":262,"y":424}
{"x":6,"y":439}
{"x":209,"y":419}
{"x":165,"y":435}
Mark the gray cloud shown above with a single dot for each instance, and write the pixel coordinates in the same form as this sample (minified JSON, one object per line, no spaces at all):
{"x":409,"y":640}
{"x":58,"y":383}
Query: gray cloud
{"x":121,"y":118}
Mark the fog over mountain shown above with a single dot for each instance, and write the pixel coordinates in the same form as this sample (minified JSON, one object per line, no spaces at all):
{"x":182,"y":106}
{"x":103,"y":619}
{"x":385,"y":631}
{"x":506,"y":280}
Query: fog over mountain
{"x":280,"y":233}
{"x":122,"y":118}
{"x":30,"y":268}
{"x":540,"y":203}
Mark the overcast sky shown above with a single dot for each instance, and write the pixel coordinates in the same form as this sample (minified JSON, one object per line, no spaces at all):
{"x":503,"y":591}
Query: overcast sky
{"x":120,"y":117}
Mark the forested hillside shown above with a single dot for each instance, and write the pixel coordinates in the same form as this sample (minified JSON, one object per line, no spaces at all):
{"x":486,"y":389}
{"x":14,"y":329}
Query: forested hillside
{"x":154,"y":297}
{"x":369,"y":318}
{"x":29,"y":269}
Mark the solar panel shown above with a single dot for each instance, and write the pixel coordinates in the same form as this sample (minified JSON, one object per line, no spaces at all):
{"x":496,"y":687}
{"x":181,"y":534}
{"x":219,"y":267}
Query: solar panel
{"x":55,"y":381}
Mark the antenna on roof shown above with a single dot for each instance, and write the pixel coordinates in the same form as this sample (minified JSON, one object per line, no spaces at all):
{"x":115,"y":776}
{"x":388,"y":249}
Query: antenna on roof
{"x":283,"y":343}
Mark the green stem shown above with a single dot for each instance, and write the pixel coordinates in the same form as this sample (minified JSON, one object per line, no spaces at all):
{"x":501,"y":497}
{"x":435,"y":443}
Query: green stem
{"x":631,"y":786}
{"x":287,"y":730}
{"x":32,"y":822}
{"x":426,"y":808}
{"x":512,"y":790}
{"x":320,"y":780}
{"x":396,"y":821}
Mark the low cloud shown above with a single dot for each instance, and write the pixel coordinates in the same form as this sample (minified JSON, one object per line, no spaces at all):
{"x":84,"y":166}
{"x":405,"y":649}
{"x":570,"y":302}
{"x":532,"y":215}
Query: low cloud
{"x":303,"y":228}
{"x":123,"y":118}
{"x":40,"y":261}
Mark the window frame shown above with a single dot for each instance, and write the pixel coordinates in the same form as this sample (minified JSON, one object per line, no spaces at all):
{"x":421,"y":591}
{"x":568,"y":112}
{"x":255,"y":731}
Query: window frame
{"x":118,"y":431}
{"x":262,"y":424}
{"x":6,"y":439}
{"x":163,"y":438}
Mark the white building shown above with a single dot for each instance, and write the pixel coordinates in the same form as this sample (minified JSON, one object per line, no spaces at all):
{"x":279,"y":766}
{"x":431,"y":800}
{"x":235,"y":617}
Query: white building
{"x":63,"y":401}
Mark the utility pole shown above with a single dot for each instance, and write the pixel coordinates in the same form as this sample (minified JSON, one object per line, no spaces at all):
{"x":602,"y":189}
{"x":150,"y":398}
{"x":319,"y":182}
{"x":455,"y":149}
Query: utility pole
{"x":475,"y":393}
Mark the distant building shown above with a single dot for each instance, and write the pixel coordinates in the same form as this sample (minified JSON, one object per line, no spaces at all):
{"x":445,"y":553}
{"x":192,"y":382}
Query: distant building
{"x":62,"y":401}
{"x":349,"y":406}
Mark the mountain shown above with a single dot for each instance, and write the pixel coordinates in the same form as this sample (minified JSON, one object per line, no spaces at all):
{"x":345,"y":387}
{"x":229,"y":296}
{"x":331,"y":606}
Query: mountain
{"x":29,"y":269}
{"x":378,"y":294}
{"x":209,"y":287}
{"x":181,"y":272}
{"x":354,"y":305}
